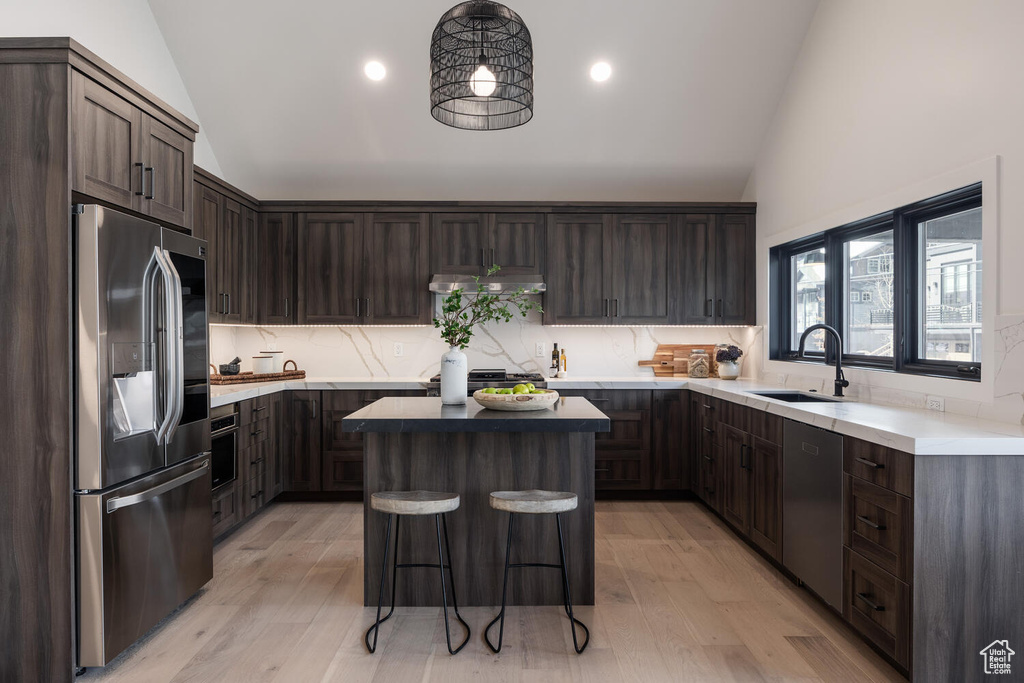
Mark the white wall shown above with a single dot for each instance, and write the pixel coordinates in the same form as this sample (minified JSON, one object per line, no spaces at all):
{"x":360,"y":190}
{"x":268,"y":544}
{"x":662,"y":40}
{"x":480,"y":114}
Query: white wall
{"x":122,"y":32}
{"x":887,"y":102}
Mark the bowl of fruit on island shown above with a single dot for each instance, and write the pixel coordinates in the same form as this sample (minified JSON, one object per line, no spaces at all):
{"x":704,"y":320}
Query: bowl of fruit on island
{"x":520,"y":397}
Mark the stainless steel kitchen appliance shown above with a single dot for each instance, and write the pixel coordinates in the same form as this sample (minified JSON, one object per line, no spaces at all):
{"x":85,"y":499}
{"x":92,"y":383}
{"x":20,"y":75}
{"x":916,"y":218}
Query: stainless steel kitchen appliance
{"x":223,"y":444}
{"x":480,"y":379}
{"x":812,"y":508}
{"x":142,"y":472}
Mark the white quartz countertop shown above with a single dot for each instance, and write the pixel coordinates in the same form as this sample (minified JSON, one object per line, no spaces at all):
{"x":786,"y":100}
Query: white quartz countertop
{"x":921,"y":432}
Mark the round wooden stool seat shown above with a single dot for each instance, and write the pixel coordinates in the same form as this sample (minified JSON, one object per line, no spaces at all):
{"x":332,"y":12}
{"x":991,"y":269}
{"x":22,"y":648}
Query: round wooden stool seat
{"x":533,"y":502}
{"x":414,"y":502}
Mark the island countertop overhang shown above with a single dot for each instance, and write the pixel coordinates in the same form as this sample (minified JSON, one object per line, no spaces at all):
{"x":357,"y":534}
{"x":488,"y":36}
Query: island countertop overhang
{"x":408,"y":414}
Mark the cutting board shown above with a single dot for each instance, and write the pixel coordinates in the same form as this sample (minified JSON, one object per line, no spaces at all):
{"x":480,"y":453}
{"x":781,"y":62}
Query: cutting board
{"x":673,"y":360}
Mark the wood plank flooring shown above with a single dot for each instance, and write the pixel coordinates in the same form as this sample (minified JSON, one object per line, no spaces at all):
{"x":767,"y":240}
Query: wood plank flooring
{"x":679,"y":598}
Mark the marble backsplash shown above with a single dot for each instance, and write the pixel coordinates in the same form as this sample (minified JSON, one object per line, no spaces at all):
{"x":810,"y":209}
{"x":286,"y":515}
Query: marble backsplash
{"x":370,"y":351}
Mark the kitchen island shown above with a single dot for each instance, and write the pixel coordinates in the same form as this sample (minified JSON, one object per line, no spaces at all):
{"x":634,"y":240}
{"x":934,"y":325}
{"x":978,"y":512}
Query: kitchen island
{"x":415,"y":443}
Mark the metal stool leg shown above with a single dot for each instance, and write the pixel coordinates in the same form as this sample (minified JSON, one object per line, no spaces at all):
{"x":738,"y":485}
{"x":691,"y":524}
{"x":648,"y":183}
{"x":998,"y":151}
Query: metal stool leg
{"x":504,"y":593}
{"x":573,"y":621}
{"x":383,"y":577}
{"x":444,"y":592}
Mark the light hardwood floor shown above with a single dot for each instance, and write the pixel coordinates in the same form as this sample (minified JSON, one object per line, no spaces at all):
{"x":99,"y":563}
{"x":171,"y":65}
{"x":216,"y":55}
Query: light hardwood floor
{"x":679,"y":598}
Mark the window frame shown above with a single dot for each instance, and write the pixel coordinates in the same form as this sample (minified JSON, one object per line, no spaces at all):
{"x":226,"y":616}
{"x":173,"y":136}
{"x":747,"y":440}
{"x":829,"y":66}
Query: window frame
{"x":907,"y":335}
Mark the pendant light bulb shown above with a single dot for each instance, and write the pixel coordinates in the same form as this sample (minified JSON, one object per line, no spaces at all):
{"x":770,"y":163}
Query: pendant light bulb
{"x":482,"y":82}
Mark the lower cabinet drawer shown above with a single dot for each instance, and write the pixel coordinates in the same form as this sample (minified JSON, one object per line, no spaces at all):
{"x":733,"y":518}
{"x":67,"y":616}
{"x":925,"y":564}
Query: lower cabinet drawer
{"x":616,"y":471}
{"x":254,"y":497}
{"x":878,"y":525}
{"x":877,"y":604}
{"x":342,"y":471}
{"x":708,"y":479}
{"x":225,"y":508}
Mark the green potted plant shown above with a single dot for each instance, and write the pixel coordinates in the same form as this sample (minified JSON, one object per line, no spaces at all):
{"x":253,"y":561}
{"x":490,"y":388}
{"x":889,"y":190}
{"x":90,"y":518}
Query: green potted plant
{"x":461,"y":311}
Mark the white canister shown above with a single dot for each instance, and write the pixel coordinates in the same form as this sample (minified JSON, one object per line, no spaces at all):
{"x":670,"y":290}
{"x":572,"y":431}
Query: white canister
{"x":262,"y":365}
{"x":278,"y":359}
{"x":454,"y":377}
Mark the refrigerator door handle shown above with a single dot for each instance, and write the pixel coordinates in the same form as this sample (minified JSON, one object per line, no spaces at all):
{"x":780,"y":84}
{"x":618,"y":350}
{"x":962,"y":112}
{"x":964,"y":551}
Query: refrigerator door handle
{"x":116,"y":503}
{"x":178,"y":344}
{"x":170,"y":353}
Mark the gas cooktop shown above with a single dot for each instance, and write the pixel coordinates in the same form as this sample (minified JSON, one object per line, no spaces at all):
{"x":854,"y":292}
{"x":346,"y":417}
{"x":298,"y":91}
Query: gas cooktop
{"x":494,"y":375}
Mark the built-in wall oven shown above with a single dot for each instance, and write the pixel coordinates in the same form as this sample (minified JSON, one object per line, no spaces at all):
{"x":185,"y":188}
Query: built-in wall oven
{"x":223,"y":444}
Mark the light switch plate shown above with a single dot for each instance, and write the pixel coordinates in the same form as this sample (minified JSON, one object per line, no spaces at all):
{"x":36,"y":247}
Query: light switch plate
{"x":540,"y":350}
{"x":936,"y":403}
{"x":399,"y":350}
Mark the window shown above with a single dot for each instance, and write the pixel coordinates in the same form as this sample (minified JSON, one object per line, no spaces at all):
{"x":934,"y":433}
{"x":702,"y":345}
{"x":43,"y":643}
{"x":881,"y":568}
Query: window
{"x":903,"y":288}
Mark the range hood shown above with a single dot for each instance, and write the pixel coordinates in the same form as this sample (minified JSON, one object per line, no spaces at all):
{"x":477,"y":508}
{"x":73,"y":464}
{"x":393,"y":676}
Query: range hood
{"x":446,"y":283}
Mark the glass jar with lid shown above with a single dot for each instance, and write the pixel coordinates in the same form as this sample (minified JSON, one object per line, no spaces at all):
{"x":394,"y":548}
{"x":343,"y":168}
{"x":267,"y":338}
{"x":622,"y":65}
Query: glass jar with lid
{"x":699,"y":365}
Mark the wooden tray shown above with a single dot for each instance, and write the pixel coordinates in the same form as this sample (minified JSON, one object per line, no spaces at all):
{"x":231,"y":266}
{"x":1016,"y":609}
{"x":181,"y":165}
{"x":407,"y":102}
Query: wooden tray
{"x":249,"y":377}
{"x":673,"y":360}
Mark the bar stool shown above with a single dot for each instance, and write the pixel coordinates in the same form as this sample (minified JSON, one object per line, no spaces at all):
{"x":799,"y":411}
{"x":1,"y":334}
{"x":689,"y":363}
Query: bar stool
{"x":535,"y":502}
{"x":397,"y":504}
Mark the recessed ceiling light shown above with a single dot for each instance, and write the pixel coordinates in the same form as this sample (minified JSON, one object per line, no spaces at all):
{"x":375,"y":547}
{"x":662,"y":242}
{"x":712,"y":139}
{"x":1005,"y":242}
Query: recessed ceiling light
{"x":375,"y":71}
{"x":601,"y":71}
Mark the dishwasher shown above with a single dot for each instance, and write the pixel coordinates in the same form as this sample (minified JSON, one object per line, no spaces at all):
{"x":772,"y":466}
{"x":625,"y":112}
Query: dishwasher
{"x":812,"y":509}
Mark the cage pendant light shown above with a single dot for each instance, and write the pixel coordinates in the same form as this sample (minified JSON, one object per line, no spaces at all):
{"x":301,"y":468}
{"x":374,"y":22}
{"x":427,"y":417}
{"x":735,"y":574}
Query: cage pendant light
{"x":481,"y":68}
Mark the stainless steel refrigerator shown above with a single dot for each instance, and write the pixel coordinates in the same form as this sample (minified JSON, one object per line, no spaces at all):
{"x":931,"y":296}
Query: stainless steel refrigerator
{"x":142,"y":446}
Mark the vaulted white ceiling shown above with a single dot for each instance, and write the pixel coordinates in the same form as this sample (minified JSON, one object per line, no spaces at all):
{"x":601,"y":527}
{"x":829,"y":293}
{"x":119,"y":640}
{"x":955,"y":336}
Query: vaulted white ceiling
{"x":280,"y":89}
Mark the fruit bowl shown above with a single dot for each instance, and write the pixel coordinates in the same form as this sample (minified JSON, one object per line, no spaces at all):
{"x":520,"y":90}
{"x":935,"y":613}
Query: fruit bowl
{"x":516,"y":402}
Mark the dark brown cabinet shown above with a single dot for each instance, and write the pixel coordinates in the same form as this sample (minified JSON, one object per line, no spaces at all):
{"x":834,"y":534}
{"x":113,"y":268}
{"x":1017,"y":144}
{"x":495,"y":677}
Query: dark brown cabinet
{"x":671,"y":438}
{"x":706,"y":452}
{"x":230,"y":230}
{"x":248,"y":276}
{"x":641,"y":258}
{"x":122,"y":155}
{"x":578,"y":279}
{"x":717,"y":257}
{"x":735,"y":477}
{"x":207,"y":210}
{"x":363,"y":269}
{"x":396,"y":269}
{"x":276,"y":256}
{"x":765,"y":463}
{"x":470,"y":243}
{"x":275,"y":457}
{"x":301,"y":440}
{"x":622,"y":456}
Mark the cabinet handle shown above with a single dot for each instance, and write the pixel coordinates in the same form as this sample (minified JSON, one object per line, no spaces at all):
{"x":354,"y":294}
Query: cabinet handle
{"x":721,"y":309}
{"x":286,"y":307}
{"x":367,"y":313}
{"x":708,"y":304}
{"x":879,"y":527}
{"x":602,"y":469}
{"x":257,"y":461}
{"x":871,"y":603}
{"x":258,"y":409}
{"x":152,"y":181}
{"x":708,"y":458}
{"x":605,"y":308}
{"x":257,"y":494}
{"x":483,"y":259}
{"x":256,"y":433}
{"x":707,"y":407}
{"x":314,"y":410}
{"x":227,"y":298}
{"x":359,"y":303}
{"x":599,"y":400}
{"x":870,"y":463}
{"x":142,"y":178}
{"x":492,"y":256}
{"x":616,"y":308}
{"x":709,"y":430}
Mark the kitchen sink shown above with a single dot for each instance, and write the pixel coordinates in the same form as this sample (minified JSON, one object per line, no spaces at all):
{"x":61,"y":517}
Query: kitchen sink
{"x":794,"y":396}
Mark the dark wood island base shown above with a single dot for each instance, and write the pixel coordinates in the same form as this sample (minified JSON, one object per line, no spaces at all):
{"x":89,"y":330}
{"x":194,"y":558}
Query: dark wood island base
{"x":415,"y":443}
{"x":474,"y":464}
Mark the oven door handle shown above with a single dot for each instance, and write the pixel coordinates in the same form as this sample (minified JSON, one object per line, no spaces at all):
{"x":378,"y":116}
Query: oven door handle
{"x":224,"y":432}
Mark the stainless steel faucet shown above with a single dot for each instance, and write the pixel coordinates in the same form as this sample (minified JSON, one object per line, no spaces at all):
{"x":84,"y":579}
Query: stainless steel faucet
{"x":841,"y":382}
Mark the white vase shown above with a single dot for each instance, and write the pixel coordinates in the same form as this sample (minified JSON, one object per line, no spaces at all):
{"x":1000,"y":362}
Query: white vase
{"x":728,"y":370}
{"x":454,"y":377}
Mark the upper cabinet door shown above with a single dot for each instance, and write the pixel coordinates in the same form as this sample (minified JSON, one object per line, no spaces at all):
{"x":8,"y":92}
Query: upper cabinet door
{"x":330,"y":269}
{"x":734,"y":245}
{"x":641,"y":256}
{"x":577,"y":248}
{"x":248,"y":279}
{"x":229,"y":257}
{"x":458,"y":244}
{"x":516,"y":243}
{"x":206,"y":226}
{"x":276,"y":272}
{"x":397,"y":269}
{"x":167,"y":173}
{"x":105,"y":136}
{"x":695,"y":295}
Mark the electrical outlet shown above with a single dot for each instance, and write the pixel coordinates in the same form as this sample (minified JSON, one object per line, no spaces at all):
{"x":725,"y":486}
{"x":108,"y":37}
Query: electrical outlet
{"x":780,"y":378}
{"x":399,"y":349}
{"x":540,"y":350}
{"x":936,"y":403}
